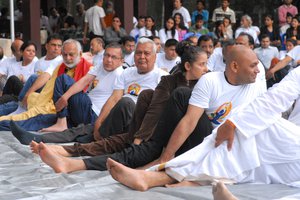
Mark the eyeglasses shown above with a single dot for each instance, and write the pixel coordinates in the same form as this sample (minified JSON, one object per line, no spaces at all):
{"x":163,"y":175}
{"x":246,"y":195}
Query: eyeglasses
{"x":106,"y":55}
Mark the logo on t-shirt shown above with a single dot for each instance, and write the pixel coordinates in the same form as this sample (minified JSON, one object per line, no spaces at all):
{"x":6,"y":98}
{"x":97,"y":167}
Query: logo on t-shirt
{"x":134,"y":89}
{"x":220,"y":114}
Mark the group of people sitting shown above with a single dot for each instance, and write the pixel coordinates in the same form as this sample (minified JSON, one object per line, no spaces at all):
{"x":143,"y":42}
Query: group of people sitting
{"x":184,"y":125}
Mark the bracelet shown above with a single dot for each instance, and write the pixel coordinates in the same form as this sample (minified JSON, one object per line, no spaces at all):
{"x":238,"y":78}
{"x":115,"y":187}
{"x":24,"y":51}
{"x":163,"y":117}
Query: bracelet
{"x":231,"y":123}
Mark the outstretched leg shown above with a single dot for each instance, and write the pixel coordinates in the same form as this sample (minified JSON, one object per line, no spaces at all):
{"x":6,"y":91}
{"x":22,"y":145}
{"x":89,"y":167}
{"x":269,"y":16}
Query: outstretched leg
{"x":58,"y":162}
{"x":220,"y":192}
{"x":137,"y":179}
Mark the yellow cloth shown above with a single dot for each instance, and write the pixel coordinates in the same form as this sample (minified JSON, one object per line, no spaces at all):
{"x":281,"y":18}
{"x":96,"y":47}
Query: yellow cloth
{"x":40,"y":103}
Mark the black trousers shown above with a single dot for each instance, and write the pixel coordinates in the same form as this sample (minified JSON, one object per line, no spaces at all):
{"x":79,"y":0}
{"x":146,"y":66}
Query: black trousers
{"x":140,"y":155}
{"x":116,"y":122}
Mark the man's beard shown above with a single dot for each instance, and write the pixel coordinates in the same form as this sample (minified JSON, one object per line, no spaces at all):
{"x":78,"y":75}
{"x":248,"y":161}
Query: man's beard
{"x":72,"y":65}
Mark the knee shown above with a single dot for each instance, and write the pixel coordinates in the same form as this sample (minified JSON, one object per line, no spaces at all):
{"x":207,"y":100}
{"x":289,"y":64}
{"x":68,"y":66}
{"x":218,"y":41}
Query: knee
{"x":32,"y":78}
{"x":145,"y":95}
{"x":126,"y":102}
{"x":182,"y":93}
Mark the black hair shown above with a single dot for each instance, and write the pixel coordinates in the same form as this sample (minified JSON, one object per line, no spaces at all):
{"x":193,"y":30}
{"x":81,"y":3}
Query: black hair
{"x":27,"y":44}
{"x":250,"y":38}
{"x":181,"y":24}
{"x":54,"y":37}
{"x":171,"y":42}
{"x":188,"y":53}
{"x":293,"y":41}
{"x":204,"y":38}
{"x":126,"y":39}
{"x":153,"y":27}
{"x":173,"y":29}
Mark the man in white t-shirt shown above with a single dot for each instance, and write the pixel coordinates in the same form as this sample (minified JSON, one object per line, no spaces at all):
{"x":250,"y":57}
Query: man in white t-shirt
{"x":167,"y":60}
{"x":116,"y":113}
{"x":95,"y":55}
{"x":9,"y":62}
{"x":94,"y":21}
{"x":70,"y":94}
{"x":136,"y":30}
{"x":47,"y":64}
{"x":128,"y":43}
{"x":178,"y":8}
{"x":219,"y":95}
{"x":266,"y":52}
{"x":44,"y":68}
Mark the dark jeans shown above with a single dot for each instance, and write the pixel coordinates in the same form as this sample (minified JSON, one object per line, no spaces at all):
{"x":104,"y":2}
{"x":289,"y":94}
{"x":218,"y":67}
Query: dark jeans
{"x":79,"y":109}
{"x":140,"y":155}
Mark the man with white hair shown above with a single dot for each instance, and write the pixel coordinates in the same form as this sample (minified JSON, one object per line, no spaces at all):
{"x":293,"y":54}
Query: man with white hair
{"x":116,"y":113}
{"x":40,"y":104}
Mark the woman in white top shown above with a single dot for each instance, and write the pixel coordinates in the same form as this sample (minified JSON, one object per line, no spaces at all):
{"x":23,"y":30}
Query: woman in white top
{"x":169,"y":31}
{"x":149,"y":29}
{"x":19,"y":73}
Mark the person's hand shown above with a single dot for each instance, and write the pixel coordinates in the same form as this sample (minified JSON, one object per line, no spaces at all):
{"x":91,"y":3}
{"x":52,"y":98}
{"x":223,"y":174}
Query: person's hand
{"x":225,"y":132}
{"x":137,"y":141}
{"x":61,"y":103}
{"x":270,"y":74}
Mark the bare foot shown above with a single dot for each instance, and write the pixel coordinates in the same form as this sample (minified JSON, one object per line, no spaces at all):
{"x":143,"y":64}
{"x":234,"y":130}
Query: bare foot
{"x":34,"y":146}
{"x":59,"y":126}
{"x":54,"y":160}
{"x":220,"y":192}
{"x":54,"y":128}
{"x":183,"y":184}
{"x":130,"y":177}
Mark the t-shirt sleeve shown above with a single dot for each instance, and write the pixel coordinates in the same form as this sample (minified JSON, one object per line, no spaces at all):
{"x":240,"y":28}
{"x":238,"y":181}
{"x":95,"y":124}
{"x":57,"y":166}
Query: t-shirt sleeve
{"x":201,"y":93}
{"x":95,"y":70}
{"x":120,"y":81}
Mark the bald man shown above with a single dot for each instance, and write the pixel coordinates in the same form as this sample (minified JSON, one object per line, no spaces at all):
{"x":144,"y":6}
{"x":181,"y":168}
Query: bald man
{"x":219,"y":95}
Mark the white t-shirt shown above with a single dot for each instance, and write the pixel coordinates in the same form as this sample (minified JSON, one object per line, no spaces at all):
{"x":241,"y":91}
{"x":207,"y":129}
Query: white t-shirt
{"x":294,"y":53}
{"x":104,"y":88}
{"x":98,"y":59}
{"x":185,"y":14}
{"x":145,"y":32}
{"x":129,"y":59}
{"x":17,"y":69}
{"x":6,"y":64}
{"x":49,"y":66}
{"x":251,"y":31}
{"x":266,"y":55}
{"x":133,"y":83}
{"x":92,"y":17}
{"x":165,"y":64}
{"x":164,"y":37}
{"x":219,"y":98}
{"x":215,"y":62}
